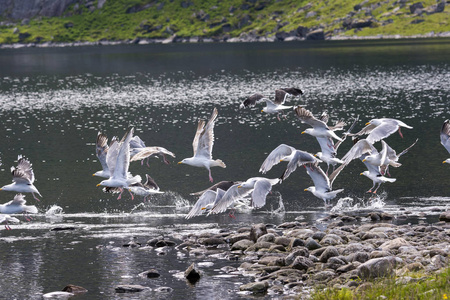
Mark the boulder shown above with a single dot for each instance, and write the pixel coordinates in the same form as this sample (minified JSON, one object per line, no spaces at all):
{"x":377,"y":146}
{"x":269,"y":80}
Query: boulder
{"x":394,"y":244}
{"x":377,"y":267}
{"x":445,"y":216}
{"x":130,"y":288}
{"x":257,"y":231}
{"x":255,"y":287}
{"x":269,"y":237}
{"x":301,"y":263}
{"x":311,"y":244}
{"x":191,"y":274}
{"x":329,"y":252}
{"x":297,"y":252}
{"x":242,"y":245}
{"x":416,"y":7}
{"x":152,"y":273}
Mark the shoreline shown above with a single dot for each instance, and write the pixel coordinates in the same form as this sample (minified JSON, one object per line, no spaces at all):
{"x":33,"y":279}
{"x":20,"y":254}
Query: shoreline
{"x":244,"y":39}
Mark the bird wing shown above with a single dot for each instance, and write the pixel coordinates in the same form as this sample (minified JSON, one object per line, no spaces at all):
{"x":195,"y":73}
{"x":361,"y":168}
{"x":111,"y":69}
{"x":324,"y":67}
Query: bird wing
{"x":407,"y":149}
{"x":19,"y":199}
{"x":280,"y":97}
{"x":234,"y":193}
{"x":123,"y":157}
{"x":275,"y":157}
{"x":206,"y":198}
{"x":259,"y":194}
{"x":293,"y":91}
{"x":324,"y":117}
{"x":300,"y":158}
{"x":321,"y":181}
{"x":327,"y":146}
{"x":366,"y":130}
{"x":101,"y":149}
{"x":23,"y":173}
{"x":445,"y":135}
{"x":371,"y":168}
{"x":149,"y":151}
{"x":136,"y":142}
{"x":338,"y":126}
{"x":307,"y":117}
{"x":252,"y":100}
{"x":111,"y":155}
{"x":150,"y":183}
{"x":206,"y":138}
{"x":347,"y":133}
{"x":382,"y":131}
{"x":200,"y":126}
{"x":223,"y":185}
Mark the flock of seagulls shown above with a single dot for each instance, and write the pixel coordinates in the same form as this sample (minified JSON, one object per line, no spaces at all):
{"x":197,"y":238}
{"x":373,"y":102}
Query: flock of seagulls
{"x":115,"y":159}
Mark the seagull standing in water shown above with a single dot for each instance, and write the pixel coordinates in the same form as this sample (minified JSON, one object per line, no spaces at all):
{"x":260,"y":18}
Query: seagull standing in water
{"x":202,"y":146}
{"x":272,"y":106}
{"x":445,"y":138}
{"x":23,"y":178}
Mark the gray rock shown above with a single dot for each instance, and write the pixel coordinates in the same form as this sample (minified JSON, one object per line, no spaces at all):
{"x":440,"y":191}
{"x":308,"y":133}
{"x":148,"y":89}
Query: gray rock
{"x":319,"y":235}
{"x":152,"y":273}
{"x":324,"y":276}
{"x":416,"y":6}
{"x":378,"y":254}
{"x":440,"y":7}
{"x":439,"y":261}
{"x":237,"y":237}
{"x":257,"y":231}
{"x":272,"y":261}
{"x":329,"y":252}
{"x":377,"y":267}
{"x":283,"y":241}
{"x":269,"y":237}
{"x":74,"y":289}
{"x":394,"y":244}
{"x":191,"y":274}
{"x":301,"y":263}
{"x":255,"y":287}
{"x":164,"y":289}
{"x":312,"y":244}
{"x":242,"y":245}
{"x":315,"y":35}
{"x":212,"y":241}
{"x":297,"y":252}
{"x":129,"y":288}
{"x":445,"y":216}
{"x":331,"y":239}
{"x":335,"y":263}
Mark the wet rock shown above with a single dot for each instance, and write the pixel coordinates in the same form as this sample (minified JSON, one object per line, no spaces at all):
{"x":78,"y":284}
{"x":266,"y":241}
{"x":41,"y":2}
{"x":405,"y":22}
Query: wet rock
{"x":319,"y":235}
{"x":255,"y":287}
{"x":287,"y":225}
{"x":129,"y":288}
{"x":315,"y":35}
{"x":272,"y":261}
{"x":237,"y":237}
{"x":257,"y":231}
{"x":213,"y":241}
{"x":269,"y":237}
{"x":75,"y":289}
{"x":445,"y":216}
{"x":311,"y":244}
{"x":152,"y":273}
{"x":297,"y":252}
{"x":331,"y":239}
{"x":377,"y":267}
{"x":191,"y":274}
{"x":242,"y":245}
{"x":283,"y":241}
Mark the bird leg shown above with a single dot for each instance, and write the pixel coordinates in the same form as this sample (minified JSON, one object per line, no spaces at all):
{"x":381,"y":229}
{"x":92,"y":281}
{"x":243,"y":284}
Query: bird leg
{"x":148,"y":158}
{"x":231,"y":214}
{"x":400,"y":132}
{"x":142,"y":162}
{"x":165,"y":160}
{"x":25,"y":215}
{"x":328,"y":167}
{"x":120,"y":195}
{"x":34,"y":196}
{"x":7,"y":226}
{"x":132,"y":197}
{"x":377,"y":188}
{"x":210,"y":177}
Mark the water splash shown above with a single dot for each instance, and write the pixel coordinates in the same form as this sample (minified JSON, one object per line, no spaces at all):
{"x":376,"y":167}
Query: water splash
{"x":281,"y":209}
{"x":353,"y":204}
{"x":54,"y":210}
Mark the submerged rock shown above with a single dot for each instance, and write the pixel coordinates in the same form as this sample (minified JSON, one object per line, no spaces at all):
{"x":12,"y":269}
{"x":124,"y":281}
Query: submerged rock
{"x":130,"y":288}
{"x":191,"y":274}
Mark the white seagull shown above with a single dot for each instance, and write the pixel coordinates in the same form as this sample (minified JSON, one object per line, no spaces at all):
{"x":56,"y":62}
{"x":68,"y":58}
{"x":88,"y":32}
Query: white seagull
{"x":202,"y":146}
{"x":145,"y":189}
{"x":6,"y":219}
{"x":118,"y":160}
{"x":101,"y":150}
{"x":17,"y":206}
{"x":205,"y":202}
{"x":445,"y":138}
{"x":374,"y":173}
{"x":319,"y":127}
{"x":378,"y":129}
{"x":23,"y":178}
{"x":392,"y":158}
{"x":322,"y":185}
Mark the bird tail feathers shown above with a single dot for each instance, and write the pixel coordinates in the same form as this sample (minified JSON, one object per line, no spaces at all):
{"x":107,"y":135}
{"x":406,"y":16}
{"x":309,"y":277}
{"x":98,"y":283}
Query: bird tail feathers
{"x":219,"y":163}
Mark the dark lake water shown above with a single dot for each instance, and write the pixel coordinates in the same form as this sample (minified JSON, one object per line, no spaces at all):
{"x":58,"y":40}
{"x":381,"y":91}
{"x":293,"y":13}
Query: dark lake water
{"x":54,"y":101}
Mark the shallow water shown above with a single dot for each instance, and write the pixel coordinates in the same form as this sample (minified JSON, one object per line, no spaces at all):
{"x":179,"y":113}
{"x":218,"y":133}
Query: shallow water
{"x":54,"y":101}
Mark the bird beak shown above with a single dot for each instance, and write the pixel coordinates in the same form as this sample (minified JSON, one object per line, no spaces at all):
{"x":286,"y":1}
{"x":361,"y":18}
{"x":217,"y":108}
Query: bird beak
{"x":442,"y":162}
{"x":179,"y":162}
{"x":360,"y":173}
{"x":239,"y":186}
{"x":364,"y":160}
{"x":203,"y":208}
{"x":93,"y":174}
{"x":303,"y":132}
{"x":368,"y":123}
{"x":98,"y":184}
{"x":315,"y":155}
{"x":0,"y":189}
{"x":262,"y":110}
{"x":305,"y":190}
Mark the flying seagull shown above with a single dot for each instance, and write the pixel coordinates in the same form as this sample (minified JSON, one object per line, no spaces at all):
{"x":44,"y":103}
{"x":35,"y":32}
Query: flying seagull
{"x":319,"y":127}
{"x":378,"y":129}
{"x":202,"y":146}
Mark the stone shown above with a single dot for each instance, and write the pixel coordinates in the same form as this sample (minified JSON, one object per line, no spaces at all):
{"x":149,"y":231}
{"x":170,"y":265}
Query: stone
{"x":255,"y":287}
{"x":329,"y":252}
{"x":75,"y":289}
{"x":301,"y":263}
{"x":271,"y":261}
{"x":164,"y":289}
{"x":319,"y":235}
{"x":315,"y":35}
{"x":256,"y":231}
{"x":445,"y":216}
{"x":130,"y":288}
{"x":152,"y":273}
{"x":394,"y":244}
{"x":237,"y":237}
{"x":297,"y":252}
{"x":283,"y":241}
{"x":269,"y":237}
{"x":191,"y":274}
{"x":361,"y":257}
{"x":323,"y":276}
{"x":331,"y":239}
{"x":311,"y":244}
{"x":242,"y":245}
{"x":416,"y":6}
{"x":212,"y":241}
{"x":377,"y":267}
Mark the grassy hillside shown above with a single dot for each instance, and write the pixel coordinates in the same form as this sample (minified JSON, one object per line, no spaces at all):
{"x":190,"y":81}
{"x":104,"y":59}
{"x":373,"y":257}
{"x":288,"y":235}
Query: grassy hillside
{"x":130,"y":19}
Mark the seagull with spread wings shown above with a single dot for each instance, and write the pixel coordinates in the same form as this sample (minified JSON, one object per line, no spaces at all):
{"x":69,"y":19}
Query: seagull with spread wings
{"x":319,"y":127}
{"x":138,"y":151}
{"x":202,"y":145}
{"x":378,"y":129}
{"x":23,"y":178}
{"x":322,"y":185}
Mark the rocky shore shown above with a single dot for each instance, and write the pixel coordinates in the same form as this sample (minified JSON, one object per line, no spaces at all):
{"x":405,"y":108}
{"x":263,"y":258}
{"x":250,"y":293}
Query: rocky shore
{"x":244,"y":38}
{"x":294,"y":258}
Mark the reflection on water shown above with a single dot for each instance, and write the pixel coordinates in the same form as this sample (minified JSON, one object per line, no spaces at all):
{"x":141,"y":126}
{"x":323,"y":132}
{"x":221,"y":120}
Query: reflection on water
{"x":54,"y":101}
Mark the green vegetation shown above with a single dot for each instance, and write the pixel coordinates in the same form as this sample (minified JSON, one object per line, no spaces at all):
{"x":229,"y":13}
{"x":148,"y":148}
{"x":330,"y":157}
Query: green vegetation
{"x":420,"y":286}
{"x":130,"y":19}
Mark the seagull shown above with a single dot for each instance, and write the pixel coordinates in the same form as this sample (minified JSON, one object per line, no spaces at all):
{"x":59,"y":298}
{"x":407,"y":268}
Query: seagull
{"x":378,"y":129}
{"x":320,"y":128}
{"x":392,"y":158}
{"x":145,"y":189}
{"x":374,"y":173}
{"x":287,"y":153}
{"x":147,"y":152}
{"x":7,"y":219}
{"x":118,"y":160}
{"x":205,"y":202}
{"x":224,"y":185}
{"x":322,"y":185}
{"x":23,"y":178}
{"x":17,"y":206}
{"x":272,"y":106}
{"x":202,"y":146}
{"x":258,"y":187}
{"x":445,"y":138}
